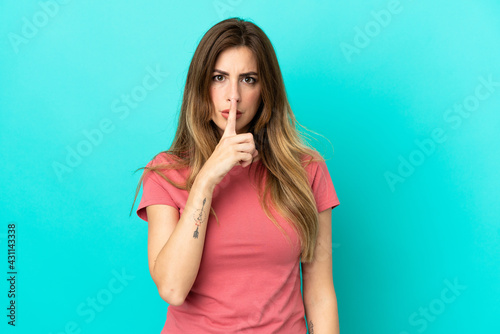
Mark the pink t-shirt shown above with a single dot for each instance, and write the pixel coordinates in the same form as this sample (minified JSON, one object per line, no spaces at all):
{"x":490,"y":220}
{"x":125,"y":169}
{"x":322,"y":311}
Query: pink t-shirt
{"x":249,"y":276}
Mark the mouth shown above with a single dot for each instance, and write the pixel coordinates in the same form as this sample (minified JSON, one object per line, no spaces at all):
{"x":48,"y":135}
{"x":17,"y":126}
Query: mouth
{"x":225,"y":113}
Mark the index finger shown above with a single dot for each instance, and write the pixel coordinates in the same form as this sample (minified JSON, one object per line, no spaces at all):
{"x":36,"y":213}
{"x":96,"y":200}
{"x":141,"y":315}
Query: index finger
{"x":230,"y":129}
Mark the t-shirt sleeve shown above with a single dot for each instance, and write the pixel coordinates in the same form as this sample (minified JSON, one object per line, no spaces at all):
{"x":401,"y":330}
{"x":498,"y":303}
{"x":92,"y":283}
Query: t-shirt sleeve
{"x":323,"y":189}
{"x":154,"y":191}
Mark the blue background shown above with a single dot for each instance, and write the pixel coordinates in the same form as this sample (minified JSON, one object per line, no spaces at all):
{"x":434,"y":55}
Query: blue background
{"x":397,"y":246}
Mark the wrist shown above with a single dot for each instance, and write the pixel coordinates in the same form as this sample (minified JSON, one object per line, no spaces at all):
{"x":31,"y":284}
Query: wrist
{"x":204,"y":182}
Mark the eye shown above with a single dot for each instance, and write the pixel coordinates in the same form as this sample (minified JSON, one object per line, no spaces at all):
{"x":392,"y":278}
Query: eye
{"x":218,"y":77}
{"x":250,"y":80}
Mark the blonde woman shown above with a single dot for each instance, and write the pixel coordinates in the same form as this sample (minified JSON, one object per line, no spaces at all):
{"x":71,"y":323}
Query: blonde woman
{"x":238,"y":202}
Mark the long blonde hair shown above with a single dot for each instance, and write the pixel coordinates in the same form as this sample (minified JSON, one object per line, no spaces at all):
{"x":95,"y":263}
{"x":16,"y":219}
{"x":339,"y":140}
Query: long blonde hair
{"x":282,"y":151}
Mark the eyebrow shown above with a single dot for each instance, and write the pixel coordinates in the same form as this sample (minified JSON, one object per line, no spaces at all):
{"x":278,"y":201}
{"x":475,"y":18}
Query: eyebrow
{"x":241,"y":75}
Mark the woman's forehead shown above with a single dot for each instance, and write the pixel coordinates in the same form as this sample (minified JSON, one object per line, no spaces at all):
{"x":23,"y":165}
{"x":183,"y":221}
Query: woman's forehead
{"x":239,"y":58}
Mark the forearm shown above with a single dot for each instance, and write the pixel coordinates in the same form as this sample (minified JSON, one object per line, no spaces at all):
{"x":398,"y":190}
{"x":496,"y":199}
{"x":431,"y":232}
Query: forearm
{"x":322,"y":314}
{"x":177,"y":264}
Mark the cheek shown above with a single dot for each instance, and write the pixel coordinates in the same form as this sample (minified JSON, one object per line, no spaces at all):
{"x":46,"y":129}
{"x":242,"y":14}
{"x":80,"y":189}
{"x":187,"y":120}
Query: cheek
{"x":216,"y":95}
{"x":254,"y":98}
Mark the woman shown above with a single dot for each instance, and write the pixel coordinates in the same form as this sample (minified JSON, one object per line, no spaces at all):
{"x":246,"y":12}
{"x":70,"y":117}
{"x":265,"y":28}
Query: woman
{"x":238,"y":202}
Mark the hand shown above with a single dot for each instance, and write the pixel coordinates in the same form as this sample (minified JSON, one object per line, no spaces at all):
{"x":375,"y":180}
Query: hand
{"x":232,"y":149}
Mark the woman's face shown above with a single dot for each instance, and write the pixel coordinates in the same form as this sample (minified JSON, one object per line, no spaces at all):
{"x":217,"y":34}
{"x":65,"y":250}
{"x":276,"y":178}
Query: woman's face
{"x":235,"y":76}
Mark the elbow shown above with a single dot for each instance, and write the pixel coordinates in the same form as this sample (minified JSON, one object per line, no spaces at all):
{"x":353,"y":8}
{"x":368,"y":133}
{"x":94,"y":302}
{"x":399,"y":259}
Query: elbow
{"x":171,"y":290}
{"x":172,"y":297}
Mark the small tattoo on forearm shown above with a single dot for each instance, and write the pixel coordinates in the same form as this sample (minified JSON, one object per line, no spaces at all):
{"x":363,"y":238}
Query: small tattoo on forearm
{"x":311,"y":327}
{"x":199,"y":216}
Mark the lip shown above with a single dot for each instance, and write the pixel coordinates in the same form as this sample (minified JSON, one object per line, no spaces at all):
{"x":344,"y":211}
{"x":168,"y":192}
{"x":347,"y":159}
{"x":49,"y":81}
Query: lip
{"x":225,"y":113}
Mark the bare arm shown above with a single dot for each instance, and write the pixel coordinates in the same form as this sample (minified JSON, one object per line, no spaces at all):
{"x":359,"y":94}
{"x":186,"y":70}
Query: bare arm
{"x":175,"y":244}
{"x":175,"y":252}
{"x":320,"y":300}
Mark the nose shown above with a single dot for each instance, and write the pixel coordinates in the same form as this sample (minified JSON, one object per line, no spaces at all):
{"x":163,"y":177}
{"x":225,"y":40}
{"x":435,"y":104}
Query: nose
{"x":233,"y":91}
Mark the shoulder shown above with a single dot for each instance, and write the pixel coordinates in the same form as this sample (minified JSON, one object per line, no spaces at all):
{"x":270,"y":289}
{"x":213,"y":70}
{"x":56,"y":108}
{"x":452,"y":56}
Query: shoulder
{"x":163,"y":159}
{"x":312,"y":160}
{"x":316,"y":169}
{"x":168,"y":165}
